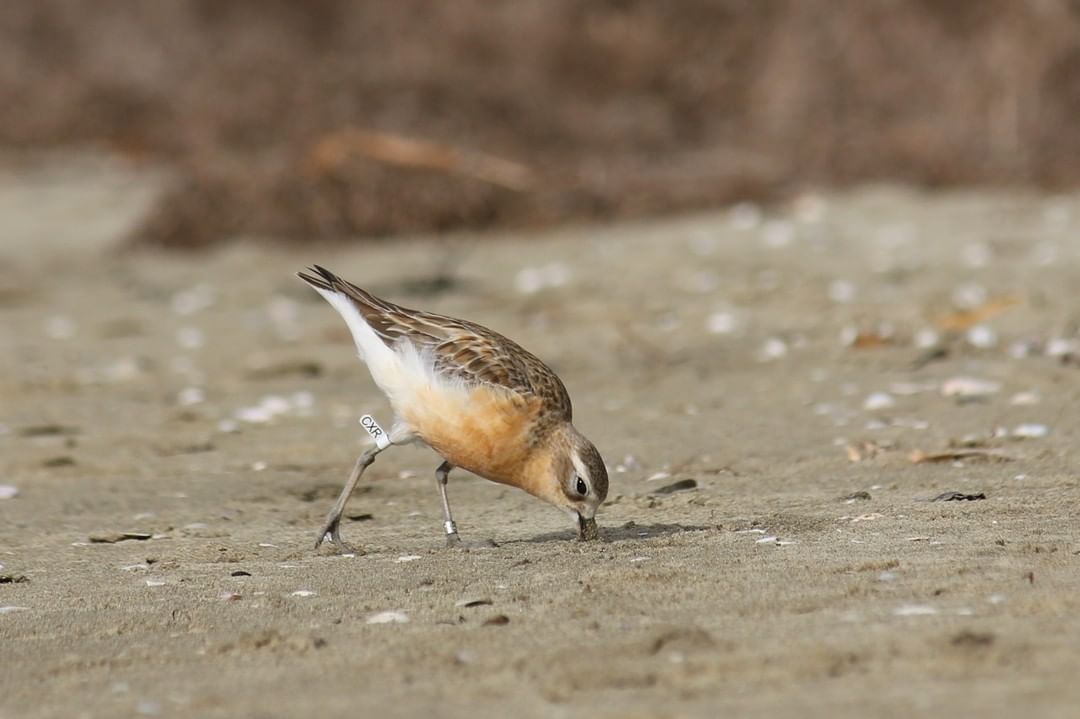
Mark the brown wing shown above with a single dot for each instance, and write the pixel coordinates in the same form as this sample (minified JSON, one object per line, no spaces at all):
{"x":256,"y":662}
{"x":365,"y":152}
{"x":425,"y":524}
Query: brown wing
{"x":461,"y":349}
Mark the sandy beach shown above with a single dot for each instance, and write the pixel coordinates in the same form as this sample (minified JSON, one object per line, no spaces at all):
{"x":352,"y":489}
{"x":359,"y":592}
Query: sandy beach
{"x":779,"y":395}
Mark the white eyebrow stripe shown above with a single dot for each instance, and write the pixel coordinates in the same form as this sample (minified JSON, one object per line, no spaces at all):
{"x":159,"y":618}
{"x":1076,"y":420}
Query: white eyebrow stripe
{"x":579,"y":467}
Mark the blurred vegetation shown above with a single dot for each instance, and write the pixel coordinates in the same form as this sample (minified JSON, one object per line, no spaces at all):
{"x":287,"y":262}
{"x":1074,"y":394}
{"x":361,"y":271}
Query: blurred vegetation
{"x":332,"y":119}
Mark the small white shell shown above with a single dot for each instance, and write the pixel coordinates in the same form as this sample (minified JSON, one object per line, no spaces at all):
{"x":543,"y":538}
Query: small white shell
{"x":982,"y":336}
{"x":878,"y":401}
{"x":1031,"y":431}
{"x":969,"y":387}
{"x":721,"y":323}
{"x":388,"y":618}
{"x":774,"y":348}
{"x":915,"y":610}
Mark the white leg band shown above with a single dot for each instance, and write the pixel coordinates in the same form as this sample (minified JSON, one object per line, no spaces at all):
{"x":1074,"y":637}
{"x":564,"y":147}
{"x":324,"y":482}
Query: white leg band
{"x":382,"y":439}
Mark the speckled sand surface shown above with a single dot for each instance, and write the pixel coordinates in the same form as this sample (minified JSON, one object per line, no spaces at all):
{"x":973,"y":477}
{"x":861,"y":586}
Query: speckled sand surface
{"x":210,"y":401}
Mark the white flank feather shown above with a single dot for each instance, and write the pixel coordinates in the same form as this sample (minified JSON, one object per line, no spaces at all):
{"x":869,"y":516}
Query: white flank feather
{"x":382,"y":361}
{"x":401,"y":372}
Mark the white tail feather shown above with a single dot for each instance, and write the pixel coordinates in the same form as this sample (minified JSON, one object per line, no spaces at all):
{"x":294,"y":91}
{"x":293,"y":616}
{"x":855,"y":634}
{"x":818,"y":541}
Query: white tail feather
{"x":381,"y":360}
{"x":401,"y":372}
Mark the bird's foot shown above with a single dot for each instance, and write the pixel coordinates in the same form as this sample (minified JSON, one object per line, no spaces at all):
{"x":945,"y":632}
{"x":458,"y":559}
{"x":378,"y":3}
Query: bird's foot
{"x":455,"y":541}
{"x":332,"y":528}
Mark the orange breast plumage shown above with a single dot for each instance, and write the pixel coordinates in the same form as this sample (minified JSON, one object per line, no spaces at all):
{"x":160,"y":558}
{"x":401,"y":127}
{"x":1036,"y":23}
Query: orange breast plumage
{"x":485,"y":430}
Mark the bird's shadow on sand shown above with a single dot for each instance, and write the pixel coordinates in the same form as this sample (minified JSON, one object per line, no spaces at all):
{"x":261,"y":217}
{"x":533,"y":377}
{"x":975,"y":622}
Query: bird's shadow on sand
{"x":626,"y":532}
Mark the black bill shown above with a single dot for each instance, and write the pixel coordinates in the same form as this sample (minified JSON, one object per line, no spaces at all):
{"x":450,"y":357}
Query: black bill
{"x":586,"y":529}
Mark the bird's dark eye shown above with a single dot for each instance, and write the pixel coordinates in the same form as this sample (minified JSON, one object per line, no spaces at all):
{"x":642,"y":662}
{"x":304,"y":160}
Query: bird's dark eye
{"x":581,"y":487}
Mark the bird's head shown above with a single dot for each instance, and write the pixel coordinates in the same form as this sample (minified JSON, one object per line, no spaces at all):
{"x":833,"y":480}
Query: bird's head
{"x":574,"y":478}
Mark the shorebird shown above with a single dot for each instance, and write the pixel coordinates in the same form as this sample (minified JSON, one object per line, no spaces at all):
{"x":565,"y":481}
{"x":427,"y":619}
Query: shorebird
{"x":480,"y":400}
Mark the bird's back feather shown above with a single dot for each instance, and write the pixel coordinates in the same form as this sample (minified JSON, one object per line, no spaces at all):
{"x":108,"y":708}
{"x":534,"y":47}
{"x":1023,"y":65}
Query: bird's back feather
{"x":452,"y":350}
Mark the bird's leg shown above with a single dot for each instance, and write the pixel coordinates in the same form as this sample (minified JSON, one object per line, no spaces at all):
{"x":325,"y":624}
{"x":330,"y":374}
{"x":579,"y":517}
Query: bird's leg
{"x":442,"y":475}
{"x":332,"y":525}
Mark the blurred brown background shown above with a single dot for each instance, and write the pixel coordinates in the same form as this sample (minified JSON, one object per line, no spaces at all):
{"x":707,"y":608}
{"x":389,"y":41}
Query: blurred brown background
{"x":329,"y":119}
